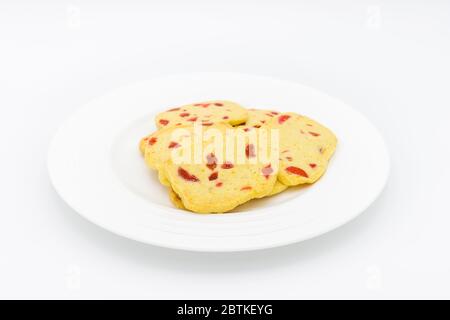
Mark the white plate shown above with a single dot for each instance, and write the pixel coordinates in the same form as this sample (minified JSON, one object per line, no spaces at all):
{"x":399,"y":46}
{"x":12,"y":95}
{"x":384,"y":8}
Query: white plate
{"x":96,"y":167}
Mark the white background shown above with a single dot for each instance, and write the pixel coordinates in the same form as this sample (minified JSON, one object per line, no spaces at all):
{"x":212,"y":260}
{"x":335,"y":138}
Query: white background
{"x":390,"y":60}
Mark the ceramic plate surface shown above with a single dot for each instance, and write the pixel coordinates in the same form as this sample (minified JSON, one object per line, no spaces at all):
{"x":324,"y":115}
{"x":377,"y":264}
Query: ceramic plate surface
{"x":96,"y":167}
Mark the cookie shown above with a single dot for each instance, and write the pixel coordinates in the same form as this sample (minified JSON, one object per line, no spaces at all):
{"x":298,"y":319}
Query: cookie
{"x":219,"y":185}
{"x":305,"y":148}
{"x":206,"y":113}
{"x":160,"y":146}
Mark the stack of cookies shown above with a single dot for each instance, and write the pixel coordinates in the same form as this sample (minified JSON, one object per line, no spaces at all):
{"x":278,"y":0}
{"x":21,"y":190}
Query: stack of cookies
{"x":214,"y":156}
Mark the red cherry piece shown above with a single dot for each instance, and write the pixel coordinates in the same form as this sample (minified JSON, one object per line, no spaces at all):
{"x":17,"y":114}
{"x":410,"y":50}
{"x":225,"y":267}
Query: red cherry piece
{"x":267,"y":171}
{"x":174,"y":144}
{"x":227,"y":165}
{"x":250,"y":151}
{"x":297,"y":171}
{"x":246,"y":188}
{"x":213,"y":176}
{"x":164,"y":122}
{"x":184,"y":114}
{"x":204,"y":105}
{"x":283,"y":118}
{"x":152,"y":141}
{"x":211,"y":161}
{"x":313,"y":165}
{"x":186,"y":175}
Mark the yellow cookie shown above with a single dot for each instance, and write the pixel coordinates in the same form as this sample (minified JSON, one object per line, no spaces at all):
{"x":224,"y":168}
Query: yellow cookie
{"x":215,"y":184}
{"x":207,"y":113}
{"x":305,"y":148}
